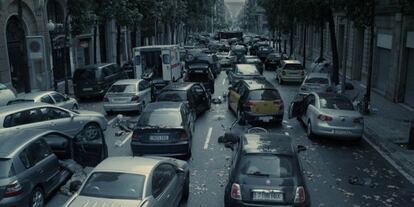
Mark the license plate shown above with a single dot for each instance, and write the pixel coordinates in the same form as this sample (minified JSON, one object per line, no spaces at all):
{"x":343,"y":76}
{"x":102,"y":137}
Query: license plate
{"x":159,"y":138}
{"x":268,"y":196}
{"x":198,"y":71}
{"x":265,"y":119}
{"x":120,"y":99}
{"x":87,"y":89}
{"x":343,"y":132}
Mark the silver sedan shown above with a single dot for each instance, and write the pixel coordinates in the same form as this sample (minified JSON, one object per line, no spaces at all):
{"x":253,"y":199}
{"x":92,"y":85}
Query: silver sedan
{"x":328,"y":114}
{"x":317,"y":82}
{"x":134,"y":181}
{"x":50,"y":97}
{"x":6,"y":95}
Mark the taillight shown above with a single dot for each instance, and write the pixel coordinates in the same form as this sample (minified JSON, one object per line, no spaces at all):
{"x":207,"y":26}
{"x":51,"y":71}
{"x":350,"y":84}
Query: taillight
{"x":13,"y":189}
{"x":183,"y":136}
{"x":236,"y":191}
{"x":248,"y":104}
{"x":135,"y":136}
{"x":324,"y":117}
{"x":135,"y":98}
{"x":359,"y":120}
{"x":105,"y":99}
{"x":300,"y":195}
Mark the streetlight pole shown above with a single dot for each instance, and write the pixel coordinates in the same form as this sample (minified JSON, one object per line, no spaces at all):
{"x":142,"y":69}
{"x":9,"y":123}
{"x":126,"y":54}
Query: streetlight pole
{"x":65,"y":53}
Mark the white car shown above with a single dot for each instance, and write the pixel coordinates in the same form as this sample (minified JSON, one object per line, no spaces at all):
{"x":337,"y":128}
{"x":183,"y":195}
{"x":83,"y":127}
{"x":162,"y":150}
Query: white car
{"x":50,"y":97}
{"x":6,"y":95}
{"x":290,"y":71}
{"x":317,"y":82}
{"x":127,"y":95}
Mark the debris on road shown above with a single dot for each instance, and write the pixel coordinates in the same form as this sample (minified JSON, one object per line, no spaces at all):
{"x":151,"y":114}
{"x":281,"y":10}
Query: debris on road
{"x":218,"y":100}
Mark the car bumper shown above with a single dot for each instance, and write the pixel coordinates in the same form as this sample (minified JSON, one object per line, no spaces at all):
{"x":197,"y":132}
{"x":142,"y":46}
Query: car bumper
{"x":21,"y":200}
{"x":236,"y":203}
{"x":251,"y":117}
{"x":122,"y":107}
{"x":170,"y":149}
{"x":292,"y":78}
{"x":340,"y":133}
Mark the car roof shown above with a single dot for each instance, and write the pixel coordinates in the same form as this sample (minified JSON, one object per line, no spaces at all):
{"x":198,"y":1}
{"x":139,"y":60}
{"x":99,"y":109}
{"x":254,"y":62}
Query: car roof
{"x":20,"y":107}
{"x":267,"y":143}
{"x":292,"y":62}
{"x":33,"y":95}
{"x":163,"y":105}
{"x":128,"y":81}
{"x":246,"y":67}
{"x":179,"y":86}
{"x":136,"y":165}
{"x":198,"y":66}
{"x":12,"y":141}
{"x":255,"y":84}
{"x":318,"y":75}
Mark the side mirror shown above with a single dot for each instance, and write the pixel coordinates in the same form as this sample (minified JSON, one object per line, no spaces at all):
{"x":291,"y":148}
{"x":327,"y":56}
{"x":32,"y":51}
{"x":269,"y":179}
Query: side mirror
{"x":229,"y":145}
{"x":301,"y":148}
{"x":180,"y":170}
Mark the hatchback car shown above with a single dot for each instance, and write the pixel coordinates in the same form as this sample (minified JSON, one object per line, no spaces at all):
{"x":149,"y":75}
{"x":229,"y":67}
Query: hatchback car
{"x":95,"y":80}
{"x":273,"y":60}
{"x":290,"y":71}
{"x":134,"y":181}
{"x":317,"y":82}
{"x":243,"y":71}
{"x":254,"y":60}
{"x":194,"y":94}
{"x":164,"y":128}
{"x":255,"y":101}
{"x":328,"y":114}
{"x":6,"y":95}
{"x":45,"y":116}
{"x":200,"y":73}
{"x":265,"y":171}
{"x":29,"y":163}
{"x":50,"y":97}
{"x":127,"y":95}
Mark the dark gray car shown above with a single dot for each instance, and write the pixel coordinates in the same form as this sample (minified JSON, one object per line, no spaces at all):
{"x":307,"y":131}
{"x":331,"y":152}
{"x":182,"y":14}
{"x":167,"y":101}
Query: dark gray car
{"x":30,"y":167}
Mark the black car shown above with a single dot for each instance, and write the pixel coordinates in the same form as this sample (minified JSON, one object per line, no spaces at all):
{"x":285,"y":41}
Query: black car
{"x":273,"y":60}
{"x":95,"y":80}
{"x":200,"y":73}
{"x":265,"y":171}
{"x":264,"y":51}
{"x":164,"y":129}
{"x":194,"y":94}
{"x":195,"y":56}
{"x":254,"y":50}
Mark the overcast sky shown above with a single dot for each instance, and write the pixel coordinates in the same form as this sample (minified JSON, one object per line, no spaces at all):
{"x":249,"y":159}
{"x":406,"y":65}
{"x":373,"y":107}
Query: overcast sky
{"x":234,"y":0}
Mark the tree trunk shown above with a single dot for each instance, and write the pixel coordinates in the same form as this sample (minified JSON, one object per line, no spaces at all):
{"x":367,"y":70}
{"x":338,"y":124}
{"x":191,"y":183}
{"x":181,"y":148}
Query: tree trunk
{"x":134,"y":37}
{"x":304,"y":45}
{"x":335,"y":59}
{"x":279,"y":39}
{"x":322,"y":28}
{"x":291,"y":42}
{"x":95,"y":40}
{"x":367,"y":97}
{"x":26,"y":77}
{"x":118,"y":44}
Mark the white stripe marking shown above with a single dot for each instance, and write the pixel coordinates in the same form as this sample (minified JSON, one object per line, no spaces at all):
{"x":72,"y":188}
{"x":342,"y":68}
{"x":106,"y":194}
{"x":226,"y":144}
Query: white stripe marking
{"x":210,"y":130}
{"x":120,"y":143}
{"x":112,"y":120}
{"x":224,"y":81}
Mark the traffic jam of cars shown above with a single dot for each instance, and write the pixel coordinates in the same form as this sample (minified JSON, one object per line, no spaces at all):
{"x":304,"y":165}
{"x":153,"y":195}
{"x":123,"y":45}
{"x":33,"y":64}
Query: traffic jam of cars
{"x":48,"y":142}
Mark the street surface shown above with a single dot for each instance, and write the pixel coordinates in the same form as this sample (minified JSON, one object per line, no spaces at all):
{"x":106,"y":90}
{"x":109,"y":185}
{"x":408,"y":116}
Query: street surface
{"x":337,"y":173}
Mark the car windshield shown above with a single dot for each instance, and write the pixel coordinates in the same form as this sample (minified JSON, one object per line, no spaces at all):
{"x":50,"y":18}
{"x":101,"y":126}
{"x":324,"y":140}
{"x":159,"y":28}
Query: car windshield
{"x":124,"y":88}
{"x":114,"y":186}
{"x":84,"y":74}
{"x":336,"y":102}
{"x":267,"y":165}
{"x":294,"y":67}
{"x":160,"y":118}
{"x":5,"y":168}
{"x":317,"y":81}
{"x":198,"y":77}
{"x":248,"y":70}
{"x":265,"y":95}
{"x":172,"y":96}
{"x":2,"y":87}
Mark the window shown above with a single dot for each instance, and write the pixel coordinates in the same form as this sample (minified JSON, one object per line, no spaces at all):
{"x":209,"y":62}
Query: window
{"x":34,"y":153}
{"x":47,"y":99}
{"x":293,"y":67}
{"x":84,"y":74}
{"x":267,"y":165}
{"x":336,"y":103}
{"x":166,"y":59}
{"x":107,"y":71}
{"x":310,"y":100}
{"x":265,"y":95}
{"x":162,"y":118}
{"x":124,"y":88}
{"x":49,"y":113}
{"x":21,"y":118}
{"x":163,"y":175}
{"x":59,"y":98}
{"x":137,"y":60}
{"x":177,"y":96}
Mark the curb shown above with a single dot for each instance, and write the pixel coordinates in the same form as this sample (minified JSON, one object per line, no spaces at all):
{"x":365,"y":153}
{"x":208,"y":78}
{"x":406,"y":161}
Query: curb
{"x":386,"y":151}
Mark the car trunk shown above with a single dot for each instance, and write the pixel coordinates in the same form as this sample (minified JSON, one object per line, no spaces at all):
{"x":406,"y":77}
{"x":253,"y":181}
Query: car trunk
{"x":91,"y":201}
{"x":264,"y":102}
{"x":152,"y":63}
{"x":120,"y":98}
{"x":265,"y":107}
{"x":268,"y":191}
{"x":341,"y":118}
{"x":159,"y":135}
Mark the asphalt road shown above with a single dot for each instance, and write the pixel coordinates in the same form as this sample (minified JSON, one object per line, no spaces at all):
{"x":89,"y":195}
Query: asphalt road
{"x":328,"y":165}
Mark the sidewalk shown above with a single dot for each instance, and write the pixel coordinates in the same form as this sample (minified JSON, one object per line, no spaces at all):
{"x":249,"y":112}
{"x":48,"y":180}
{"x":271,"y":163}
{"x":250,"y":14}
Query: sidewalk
{"x":387,"y":128}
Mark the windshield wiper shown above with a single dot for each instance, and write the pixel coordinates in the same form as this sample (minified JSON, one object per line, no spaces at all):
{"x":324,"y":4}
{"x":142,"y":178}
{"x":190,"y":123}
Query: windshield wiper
{"x":258,"y":173}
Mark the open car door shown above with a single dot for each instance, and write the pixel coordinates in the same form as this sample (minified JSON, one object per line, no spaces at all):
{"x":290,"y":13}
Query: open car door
{"x":137,"y":63}
{"x":89,"y":152}
{"x":297,"y":107}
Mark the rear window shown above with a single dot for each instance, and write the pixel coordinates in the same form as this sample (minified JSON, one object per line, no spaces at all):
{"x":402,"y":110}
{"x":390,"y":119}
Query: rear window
{"x":161,"y":118}
{"x":336,"y":103}
{"x":172,"y":96}
{"x":124,"y":88}
{"x":114,"y":186}
{"x":317,"y":81}
{"x":84,"y":74}
{"x":198,"y":77}
{"x":6,"y":168}
{"x":267,"y":165}
{"x":294,"y":67}
{"x":266,"y":95}
{"x":248,"y":70}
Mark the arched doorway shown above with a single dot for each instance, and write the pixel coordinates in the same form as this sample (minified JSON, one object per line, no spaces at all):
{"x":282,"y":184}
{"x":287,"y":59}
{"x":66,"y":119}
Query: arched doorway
{"x":16,"y":34}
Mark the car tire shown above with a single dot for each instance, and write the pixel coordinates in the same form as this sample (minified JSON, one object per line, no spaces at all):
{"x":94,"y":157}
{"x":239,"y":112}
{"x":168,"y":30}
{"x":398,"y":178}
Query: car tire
{"x":93,"y":131}
{"x":37,"y":198}
{"x":242,"y":120}
{"x":186,"y":187}
{"x":309,"y":131}
{"x":75,"y":107}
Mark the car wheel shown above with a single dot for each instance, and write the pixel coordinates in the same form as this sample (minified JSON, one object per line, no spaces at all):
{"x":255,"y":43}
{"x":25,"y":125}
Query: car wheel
{"x":37,"y":199}
{"x":241,"y":119}
{"x":309,"y":131}
{"x":75,"y":107}
{"x":186,"y":187}
{"x":92,"y":131}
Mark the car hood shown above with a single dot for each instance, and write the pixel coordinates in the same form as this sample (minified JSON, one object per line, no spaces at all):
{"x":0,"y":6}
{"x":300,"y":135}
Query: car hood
{"x":89,"y":113}
{"x":84,"y":201}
